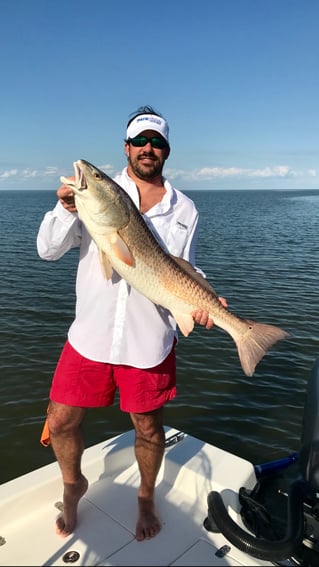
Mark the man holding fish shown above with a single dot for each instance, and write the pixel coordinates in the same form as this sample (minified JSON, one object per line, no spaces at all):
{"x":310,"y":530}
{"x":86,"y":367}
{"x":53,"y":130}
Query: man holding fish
{"x":119,"y":338}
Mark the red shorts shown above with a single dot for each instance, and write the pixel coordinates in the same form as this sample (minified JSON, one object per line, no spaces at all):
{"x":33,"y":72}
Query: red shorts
{"x":78,"y":381}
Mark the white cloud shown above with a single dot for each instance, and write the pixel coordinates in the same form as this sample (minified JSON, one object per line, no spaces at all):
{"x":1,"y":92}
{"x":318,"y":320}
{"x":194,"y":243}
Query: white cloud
{"x":207,"y":173}
{"x":26,"y":173}
{"x":51,"y":174}
{"x":107,"y":168}
{"x":8,"y":173}
{"x":51,"y":170}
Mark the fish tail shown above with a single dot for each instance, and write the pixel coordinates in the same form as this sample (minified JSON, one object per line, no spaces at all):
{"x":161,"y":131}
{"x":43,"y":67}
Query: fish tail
{"x":255,"y":342}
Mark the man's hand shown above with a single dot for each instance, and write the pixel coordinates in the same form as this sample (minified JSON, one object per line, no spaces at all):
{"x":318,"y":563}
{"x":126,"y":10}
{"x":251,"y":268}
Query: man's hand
{"x":201,"y":317}
{"x":66,"y":197}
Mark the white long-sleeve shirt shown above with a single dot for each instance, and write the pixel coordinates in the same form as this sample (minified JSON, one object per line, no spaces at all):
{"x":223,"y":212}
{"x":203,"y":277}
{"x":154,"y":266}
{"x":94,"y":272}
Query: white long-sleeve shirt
{"x":114,"y":322}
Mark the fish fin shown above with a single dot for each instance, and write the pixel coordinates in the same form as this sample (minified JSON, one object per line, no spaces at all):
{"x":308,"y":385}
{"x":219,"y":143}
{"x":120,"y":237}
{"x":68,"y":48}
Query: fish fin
{"x":184,"y":321}
{"x":189,"y":268}
{"x":105,"y":265}
{"x":121,"y":250}
{"x":255,"y":342}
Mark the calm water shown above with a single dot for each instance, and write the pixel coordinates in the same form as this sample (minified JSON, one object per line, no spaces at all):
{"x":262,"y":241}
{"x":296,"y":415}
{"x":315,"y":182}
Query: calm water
{"x":259,"y":249}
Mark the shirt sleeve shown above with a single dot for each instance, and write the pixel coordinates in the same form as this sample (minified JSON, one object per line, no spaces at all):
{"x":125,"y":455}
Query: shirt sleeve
{"x":59,"y":231}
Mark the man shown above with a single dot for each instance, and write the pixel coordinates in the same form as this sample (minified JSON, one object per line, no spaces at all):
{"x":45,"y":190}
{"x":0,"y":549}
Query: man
{"x":119,"y":339}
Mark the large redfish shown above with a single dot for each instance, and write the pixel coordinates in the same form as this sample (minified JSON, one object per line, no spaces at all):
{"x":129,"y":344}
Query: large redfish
{"x":128,"y":246}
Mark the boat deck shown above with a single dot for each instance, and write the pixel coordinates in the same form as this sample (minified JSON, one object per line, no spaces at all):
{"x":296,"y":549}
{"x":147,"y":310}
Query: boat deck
{"x":104,"y":535}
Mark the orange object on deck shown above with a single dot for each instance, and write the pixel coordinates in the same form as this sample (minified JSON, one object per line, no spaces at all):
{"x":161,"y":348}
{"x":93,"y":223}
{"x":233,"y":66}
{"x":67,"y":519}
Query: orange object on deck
{"x":45,"y":435}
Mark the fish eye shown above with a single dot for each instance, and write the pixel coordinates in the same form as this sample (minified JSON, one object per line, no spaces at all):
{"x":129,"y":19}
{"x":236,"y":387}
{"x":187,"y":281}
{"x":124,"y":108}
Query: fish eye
{"x":97,"y":175}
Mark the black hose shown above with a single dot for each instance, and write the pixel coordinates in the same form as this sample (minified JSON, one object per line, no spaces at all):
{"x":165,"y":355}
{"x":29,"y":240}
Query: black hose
{"x":262,"y":549}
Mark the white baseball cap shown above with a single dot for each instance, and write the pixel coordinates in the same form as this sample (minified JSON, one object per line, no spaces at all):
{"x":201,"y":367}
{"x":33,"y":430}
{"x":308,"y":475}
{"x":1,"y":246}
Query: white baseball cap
{"x":148,"y":122}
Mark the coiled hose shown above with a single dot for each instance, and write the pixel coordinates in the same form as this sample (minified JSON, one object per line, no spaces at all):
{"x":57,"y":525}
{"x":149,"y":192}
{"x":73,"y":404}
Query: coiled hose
{"x":262,"y":549}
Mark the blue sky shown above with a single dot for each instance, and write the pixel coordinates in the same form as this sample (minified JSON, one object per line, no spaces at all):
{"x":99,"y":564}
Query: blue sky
{"x":237,"y":80}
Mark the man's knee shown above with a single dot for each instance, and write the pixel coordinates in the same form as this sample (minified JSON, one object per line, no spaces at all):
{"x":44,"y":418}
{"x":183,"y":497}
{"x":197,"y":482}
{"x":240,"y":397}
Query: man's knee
{"x":64,"y":419}
{"x":149,"y":425}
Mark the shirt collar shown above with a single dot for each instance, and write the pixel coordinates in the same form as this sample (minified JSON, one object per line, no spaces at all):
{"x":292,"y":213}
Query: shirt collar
{"x":158,"y":209}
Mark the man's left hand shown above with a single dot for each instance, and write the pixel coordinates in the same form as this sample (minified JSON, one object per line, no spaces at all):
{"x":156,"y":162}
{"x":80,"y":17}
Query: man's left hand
{"x":201,"y":317}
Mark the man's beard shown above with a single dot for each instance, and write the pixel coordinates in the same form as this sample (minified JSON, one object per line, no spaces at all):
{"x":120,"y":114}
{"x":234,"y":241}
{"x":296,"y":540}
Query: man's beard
{"x":146,"y":172}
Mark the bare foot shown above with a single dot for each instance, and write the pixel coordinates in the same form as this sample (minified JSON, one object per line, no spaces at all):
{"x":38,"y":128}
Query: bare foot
{"x":148,"y":524}
{"x":66,"y":523}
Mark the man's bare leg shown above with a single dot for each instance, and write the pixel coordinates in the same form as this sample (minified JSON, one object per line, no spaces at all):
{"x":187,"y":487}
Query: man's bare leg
{"x":149,"y":450}
{"x":67,"y":443}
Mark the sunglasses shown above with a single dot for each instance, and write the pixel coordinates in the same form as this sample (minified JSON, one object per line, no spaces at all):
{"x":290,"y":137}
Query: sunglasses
{"x":155,"y":141}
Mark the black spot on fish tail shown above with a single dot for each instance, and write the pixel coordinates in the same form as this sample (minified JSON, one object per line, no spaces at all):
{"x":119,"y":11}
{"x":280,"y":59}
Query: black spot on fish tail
{"x":254,"y":344}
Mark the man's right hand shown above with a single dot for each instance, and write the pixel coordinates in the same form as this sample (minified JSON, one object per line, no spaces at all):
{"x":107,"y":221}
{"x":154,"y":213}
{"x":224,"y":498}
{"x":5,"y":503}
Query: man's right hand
{"x":66,"y":197}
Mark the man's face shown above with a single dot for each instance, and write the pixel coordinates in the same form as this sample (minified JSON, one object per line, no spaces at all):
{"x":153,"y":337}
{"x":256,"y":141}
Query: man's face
{"x":146,"y":161}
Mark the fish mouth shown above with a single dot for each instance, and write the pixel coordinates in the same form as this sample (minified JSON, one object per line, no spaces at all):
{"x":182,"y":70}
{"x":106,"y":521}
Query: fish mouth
{"x":79,"y":182}
{"x":80,"y":179}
